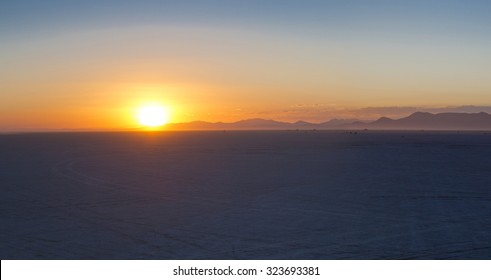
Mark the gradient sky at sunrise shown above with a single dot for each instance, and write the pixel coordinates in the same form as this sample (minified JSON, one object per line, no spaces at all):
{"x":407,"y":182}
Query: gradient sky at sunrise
{"x":91,"y":64}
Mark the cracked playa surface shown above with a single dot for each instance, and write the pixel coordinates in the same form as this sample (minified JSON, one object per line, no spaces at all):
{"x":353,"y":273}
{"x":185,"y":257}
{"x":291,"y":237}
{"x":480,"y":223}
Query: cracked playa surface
{"x":246,"y":195}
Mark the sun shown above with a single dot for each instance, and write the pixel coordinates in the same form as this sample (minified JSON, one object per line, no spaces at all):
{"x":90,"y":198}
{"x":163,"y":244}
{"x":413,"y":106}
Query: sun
{"x":153,"y":116}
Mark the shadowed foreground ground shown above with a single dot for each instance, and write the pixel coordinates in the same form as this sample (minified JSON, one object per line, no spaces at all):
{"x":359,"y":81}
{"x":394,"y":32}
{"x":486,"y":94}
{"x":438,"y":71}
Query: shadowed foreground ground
{"x":245,"y":195}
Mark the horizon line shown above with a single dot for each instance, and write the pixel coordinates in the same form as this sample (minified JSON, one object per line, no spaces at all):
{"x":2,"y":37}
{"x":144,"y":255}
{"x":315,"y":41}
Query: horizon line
{"x":308,"y":126}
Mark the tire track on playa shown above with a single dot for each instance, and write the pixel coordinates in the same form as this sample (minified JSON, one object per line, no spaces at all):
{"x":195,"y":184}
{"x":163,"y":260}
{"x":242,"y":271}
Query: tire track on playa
{"x":65,"y":168}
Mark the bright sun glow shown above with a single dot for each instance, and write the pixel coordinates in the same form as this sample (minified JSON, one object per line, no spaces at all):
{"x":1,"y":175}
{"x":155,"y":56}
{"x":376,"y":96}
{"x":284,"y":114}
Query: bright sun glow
{"x":153,"y":116}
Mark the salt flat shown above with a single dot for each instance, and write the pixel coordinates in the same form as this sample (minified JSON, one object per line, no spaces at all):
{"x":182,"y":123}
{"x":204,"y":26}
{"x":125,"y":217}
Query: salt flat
{"x":246,"y":195}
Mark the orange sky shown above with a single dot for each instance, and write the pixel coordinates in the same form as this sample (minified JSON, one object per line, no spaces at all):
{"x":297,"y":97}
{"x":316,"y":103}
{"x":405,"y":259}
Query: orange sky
{"x":60,"y":72}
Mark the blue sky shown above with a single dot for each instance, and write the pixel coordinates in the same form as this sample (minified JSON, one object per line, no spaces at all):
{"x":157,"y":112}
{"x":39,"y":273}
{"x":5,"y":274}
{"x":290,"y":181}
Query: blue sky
{"x":439,"y":15}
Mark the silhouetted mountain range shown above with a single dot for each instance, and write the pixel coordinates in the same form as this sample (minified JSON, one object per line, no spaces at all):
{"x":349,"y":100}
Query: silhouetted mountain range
{"x":442,"y":121}
{"x":415,"y":121}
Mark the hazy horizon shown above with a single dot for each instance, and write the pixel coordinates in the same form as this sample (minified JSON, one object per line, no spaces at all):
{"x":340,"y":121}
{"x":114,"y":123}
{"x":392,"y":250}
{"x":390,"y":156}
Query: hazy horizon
{"x":474,"y":119}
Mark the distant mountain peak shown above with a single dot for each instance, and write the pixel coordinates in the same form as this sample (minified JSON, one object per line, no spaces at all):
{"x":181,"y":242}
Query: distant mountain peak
{"x":421,"y":114}
{"x":384,"y":120}
{"x":339,"y":122}
{"x":302,"y":123}
{"x":440,"y":121}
